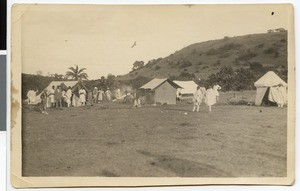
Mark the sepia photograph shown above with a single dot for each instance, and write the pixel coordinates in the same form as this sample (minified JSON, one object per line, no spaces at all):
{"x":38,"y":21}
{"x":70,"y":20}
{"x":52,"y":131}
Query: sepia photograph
{"x":180,"y":92}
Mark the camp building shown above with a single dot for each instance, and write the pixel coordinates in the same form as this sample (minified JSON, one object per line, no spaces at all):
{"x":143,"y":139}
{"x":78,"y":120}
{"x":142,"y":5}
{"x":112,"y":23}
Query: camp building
{"x":161,"y":91}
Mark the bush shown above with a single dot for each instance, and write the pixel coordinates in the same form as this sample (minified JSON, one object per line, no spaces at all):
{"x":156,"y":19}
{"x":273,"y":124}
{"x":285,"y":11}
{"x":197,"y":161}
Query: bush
{"x":157,"y":68}
{"x":186,"y":64}
{"x":247,"y":56}
{"x":212,"y":52}
{"x":255,"y":66}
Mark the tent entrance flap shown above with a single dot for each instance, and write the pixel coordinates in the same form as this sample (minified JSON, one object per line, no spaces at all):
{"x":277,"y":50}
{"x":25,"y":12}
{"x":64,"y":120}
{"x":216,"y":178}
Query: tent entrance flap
{"x":260,"y":94}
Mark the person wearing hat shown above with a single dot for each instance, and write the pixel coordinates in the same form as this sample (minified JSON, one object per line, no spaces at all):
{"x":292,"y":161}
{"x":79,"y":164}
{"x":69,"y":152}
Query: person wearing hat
{"x":95,"y":94}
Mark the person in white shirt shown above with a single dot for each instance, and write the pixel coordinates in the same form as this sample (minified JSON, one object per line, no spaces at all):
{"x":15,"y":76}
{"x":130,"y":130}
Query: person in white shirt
{"x":100,"y":95}
{"x":68,"y":96}
{"x":95,"y":94}
{"x":210,"y":96}
{"x":216,"y":88}
{"x":82,"y":96}
{"x":108,"y":94}
{"x":51,"y":96}
{"x":197,"y":99}
{"x":178,"y":94}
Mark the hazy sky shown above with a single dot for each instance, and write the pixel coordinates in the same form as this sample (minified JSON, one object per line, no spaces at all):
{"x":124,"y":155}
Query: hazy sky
{"x":100,"y":37}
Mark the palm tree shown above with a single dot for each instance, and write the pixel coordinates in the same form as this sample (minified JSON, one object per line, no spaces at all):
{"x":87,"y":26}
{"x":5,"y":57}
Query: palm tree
{"x":76,"y":73}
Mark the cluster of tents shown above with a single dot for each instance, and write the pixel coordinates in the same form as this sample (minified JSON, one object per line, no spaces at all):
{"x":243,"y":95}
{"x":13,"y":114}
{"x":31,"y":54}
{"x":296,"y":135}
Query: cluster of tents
{"x":270,"y":88}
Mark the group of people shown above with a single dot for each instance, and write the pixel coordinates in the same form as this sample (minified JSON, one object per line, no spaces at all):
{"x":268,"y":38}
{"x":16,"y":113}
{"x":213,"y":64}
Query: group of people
{"x":57,"y":96}
{"x":209,"y":97}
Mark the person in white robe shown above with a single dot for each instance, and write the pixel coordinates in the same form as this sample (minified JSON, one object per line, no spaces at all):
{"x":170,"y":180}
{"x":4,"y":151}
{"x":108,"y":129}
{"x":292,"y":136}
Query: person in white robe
{"x":95,"y":94}
{"x":197,"y":99}
{"x":68,"y":96}
{"x":82,"y":96}
{"x":118,"y":94}
{"x":210,"y":96}
{"x":108,"y":94}
{"x":216,"y":88}
{"x":100,"y":96}
{"x":178,"y":94}
{"x":51,"y":96}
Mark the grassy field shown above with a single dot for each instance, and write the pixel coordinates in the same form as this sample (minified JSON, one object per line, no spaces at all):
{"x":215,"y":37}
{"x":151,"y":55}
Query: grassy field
{"x":113,"y":139}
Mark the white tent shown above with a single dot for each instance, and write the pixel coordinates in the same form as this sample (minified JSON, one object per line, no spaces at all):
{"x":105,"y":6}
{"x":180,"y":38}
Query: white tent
{"x":188,"y":87}
{"x":75,"y":86}
{"x":270,"y":87}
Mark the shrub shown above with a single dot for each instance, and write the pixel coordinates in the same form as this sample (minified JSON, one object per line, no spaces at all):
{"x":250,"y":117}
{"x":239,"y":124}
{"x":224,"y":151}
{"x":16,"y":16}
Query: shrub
{"x":157,"y":68}
{"x":247,"y":56}
{"x":255,"y":66}
{"x":212,"y":52}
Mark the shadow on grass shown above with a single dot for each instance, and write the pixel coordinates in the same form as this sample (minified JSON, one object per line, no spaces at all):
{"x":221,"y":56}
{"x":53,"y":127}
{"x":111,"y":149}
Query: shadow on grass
{"x":184,"y":167}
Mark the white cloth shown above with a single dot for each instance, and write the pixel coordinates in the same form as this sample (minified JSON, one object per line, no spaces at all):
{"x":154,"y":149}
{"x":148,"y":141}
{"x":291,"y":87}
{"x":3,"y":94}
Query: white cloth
{"x":82,"y":95}
{"x":210,"y":97}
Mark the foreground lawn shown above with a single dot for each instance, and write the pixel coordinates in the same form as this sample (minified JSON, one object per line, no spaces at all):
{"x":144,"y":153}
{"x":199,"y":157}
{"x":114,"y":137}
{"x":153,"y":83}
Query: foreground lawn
{"x":116,"y":140}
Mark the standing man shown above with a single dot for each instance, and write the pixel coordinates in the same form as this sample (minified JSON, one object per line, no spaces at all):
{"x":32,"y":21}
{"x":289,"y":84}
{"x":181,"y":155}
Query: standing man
{"x":197,"y":98}
{"x":58,"y":97}
{"x":44,"y":101}
{"x":100,"y":95}
{"x":82,"y":96}
{"x":68,"y":96}
{"x":210,"y":97}
{"x":108,"y":94}
{"x":51,"y":96}
{"x":95,"y":94}
{"x":216,"y":88}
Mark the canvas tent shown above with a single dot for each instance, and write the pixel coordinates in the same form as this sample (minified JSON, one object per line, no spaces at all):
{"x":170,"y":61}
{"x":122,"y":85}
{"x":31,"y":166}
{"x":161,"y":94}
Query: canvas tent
{"x":160,"y":91}
{"x":75,"y":86}
{"x":270,"y":88}
{"x":188,"y":87}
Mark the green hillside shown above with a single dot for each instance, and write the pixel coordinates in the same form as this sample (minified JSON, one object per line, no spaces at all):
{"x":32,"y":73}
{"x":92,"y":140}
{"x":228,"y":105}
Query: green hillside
{"x":268,"y":50}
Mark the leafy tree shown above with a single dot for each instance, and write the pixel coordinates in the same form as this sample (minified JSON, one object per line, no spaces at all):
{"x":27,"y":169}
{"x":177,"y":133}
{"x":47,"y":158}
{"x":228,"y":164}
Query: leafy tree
{"x":76,"y":73}
{"x":137,"y":65}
